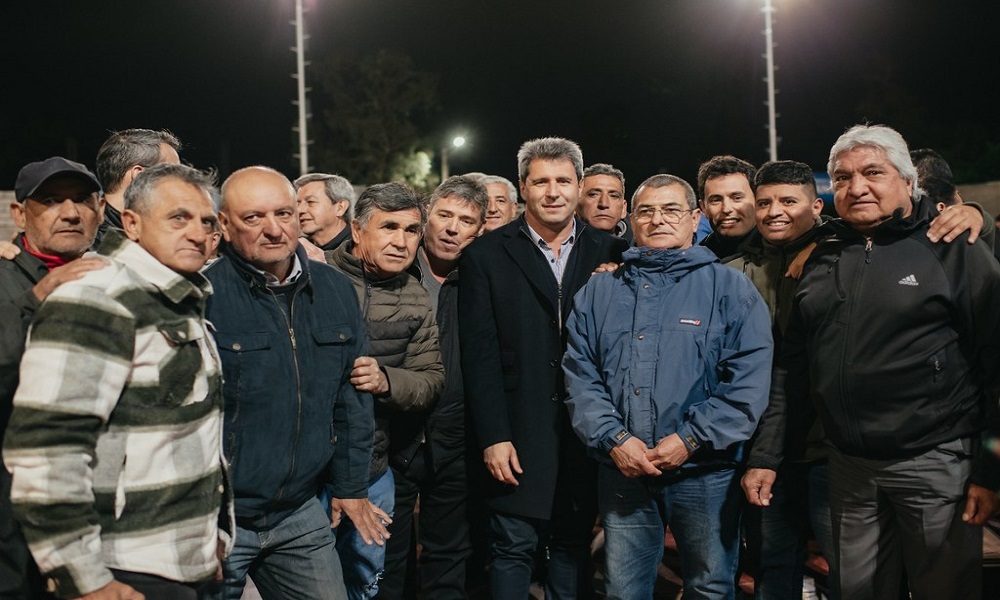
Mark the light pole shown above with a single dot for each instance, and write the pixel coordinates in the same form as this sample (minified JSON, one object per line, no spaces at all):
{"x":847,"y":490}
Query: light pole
{"x":457,"y":142}
{"x":772,"y":118}
{"x":300,"y":76}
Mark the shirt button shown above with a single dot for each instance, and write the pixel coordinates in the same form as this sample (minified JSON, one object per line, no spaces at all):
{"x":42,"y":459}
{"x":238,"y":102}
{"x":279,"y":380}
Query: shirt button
{"x":637,"y":392}
{"x":645,"y":286}
{"x":554,"y":398}
{"x":182,"y":334}
{"x":642,"y":337}
{"x":236,"y":346}
{"x":553,"y":363}
{"x":342,"y":336}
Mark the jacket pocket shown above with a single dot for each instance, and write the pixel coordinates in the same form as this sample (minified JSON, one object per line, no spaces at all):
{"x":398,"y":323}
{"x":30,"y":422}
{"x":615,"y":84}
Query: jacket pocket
{"x":178,"y":364}
{"x":250,"y":369}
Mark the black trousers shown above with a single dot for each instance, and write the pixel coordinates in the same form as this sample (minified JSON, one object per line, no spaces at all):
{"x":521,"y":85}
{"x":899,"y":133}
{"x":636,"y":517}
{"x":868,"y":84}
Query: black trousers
{"x":442,"y":531}
{"x":19,"y":577}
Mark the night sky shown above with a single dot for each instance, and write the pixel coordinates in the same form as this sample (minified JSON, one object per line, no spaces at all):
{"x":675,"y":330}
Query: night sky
{"x":649,"y":85}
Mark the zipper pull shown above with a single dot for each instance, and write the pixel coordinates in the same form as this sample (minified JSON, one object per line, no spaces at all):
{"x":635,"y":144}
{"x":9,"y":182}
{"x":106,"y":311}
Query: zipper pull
{"x":868,"y":249}
{"x":291,"y":334}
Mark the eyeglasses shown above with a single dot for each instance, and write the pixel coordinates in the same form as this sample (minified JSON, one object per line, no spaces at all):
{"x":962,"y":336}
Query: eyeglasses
{"x":669,"y":214}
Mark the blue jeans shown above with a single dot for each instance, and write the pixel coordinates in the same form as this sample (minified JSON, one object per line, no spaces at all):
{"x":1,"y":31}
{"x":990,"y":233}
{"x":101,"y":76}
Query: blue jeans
{"x":293,"y":559}
{"x":703,"y":512}
{"x":800,"y":501}
{"x":363,"y":564}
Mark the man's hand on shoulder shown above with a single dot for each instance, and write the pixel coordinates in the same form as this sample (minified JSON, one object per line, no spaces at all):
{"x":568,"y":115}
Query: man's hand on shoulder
{"x":630,"y":458}
{"x":115,"y":590}
{"x":757,"y":484}
{"x":608,"y":267}
{"x":8,"y":251}
{"x":954,"y":221}
{"x":68,"y":272}
{"x":502,"y":463}
{"x":669,"y":453}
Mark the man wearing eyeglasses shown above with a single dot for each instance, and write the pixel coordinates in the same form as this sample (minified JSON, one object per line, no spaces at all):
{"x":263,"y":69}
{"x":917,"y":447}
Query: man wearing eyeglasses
{"x":667,"y":372}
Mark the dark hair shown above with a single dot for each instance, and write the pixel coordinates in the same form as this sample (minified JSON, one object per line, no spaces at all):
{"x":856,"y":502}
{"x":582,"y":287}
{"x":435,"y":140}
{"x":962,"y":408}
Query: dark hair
{"x":930,"y":163}
{"x":388,"y":197}
{"x":139,"y":194}
{"x":720,"y":166}
{"x":128,"y":148}
{"x":468,"y":188}
{"x":786,"y":171}
{"x":939,"y":189}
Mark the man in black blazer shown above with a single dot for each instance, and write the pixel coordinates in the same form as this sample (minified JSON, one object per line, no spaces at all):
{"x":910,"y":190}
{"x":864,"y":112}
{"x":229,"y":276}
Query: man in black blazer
{"x":515,"y":294}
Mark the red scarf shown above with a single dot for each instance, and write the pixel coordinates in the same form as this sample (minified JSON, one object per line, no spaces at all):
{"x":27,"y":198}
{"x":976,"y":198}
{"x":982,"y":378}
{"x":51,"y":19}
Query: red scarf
{"x":50,"y":261}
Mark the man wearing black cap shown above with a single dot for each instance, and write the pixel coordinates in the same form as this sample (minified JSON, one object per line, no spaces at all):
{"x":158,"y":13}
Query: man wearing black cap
{"x":58,"y":209}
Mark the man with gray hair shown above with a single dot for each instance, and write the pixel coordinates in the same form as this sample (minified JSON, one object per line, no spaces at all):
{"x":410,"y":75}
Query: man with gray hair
{"x":516,"y":290}
{"x":402,"y":370}
{"x":603,"y":204}
{"x":896,"y":340}
{"x":502,"y":197}
{"x":324,"y":203}
{"x":667,"y":369}
{"x":116,"y":457}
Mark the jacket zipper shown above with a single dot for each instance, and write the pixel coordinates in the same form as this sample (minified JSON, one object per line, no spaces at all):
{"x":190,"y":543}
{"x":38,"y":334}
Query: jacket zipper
{"x":846,"y":404}
{"x":298,"y":383}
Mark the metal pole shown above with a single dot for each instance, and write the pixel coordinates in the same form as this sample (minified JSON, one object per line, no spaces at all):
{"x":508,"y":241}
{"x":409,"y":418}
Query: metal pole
{"x":301,"y":79}
{"x":444,"y":162}
{"x":772,"y":126}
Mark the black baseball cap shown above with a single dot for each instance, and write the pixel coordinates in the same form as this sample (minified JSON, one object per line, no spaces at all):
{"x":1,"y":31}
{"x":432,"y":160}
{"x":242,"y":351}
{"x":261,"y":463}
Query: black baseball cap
{"x":33,"y":175}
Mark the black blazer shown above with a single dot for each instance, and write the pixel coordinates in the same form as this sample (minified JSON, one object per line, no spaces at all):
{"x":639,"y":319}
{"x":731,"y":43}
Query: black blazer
{"x":512,"y":316}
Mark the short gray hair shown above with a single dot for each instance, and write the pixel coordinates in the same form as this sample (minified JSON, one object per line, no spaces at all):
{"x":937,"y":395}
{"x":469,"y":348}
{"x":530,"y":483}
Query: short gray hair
{"x":511,"y":190}
{"x":550,"y":148}
{"x":139,"y":194}
{"x":884,"y":138}
{"x":388,"y":197}
{"x":337,"y":188}
{"x":663,"y":180}
{"x":469,"y":189}
{"x":605,"y":169}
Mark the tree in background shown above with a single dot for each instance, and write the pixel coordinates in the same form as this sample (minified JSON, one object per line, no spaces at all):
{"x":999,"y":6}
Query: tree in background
{"x":373,"y":110}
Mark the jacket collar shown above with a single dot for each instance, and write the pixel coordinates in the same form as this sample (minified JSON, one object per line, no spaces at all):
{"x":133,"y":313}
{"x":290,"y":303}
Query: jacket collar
{"x":174,"y":286}
{"x":32,"y":267}
{"x":352,"y":265}
{"x":897,"y":226}
{"x":255,"y":278}
{"x":675,"y":263}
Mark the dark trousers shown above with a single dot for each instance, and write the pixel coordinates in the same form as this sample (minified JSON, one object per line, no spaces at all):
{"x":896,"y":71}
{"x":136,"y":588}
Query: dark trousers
{"x":19,"y":577}
{"x":157,"y":588}
{"x":566,"y":538}
{"x":442,"y":531}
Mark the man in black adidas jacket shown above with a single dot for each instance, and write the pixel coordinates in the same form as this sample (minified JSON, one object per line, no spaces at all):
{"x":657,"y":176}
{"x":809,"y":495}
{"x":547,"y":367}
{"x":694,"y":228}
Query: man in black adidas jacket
{"x":897,"y":340}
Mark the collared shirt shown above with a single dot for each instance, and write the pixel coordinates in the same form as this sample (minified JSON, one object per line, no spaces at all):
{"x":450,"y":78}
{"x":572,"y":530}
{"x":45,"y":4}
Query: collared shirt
{"x":273,"y":281}
{"x":557,"y":264}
